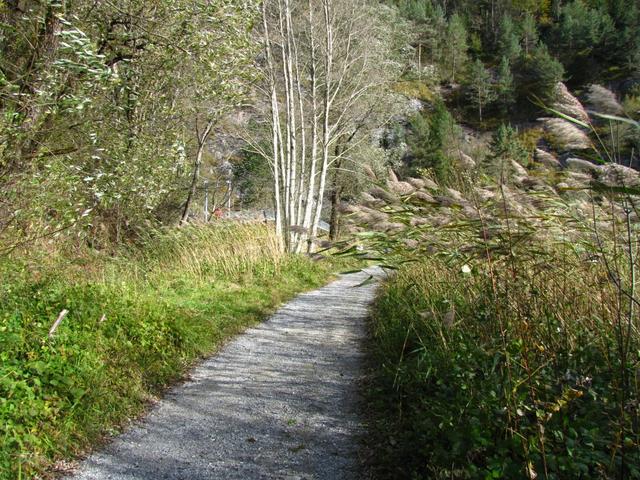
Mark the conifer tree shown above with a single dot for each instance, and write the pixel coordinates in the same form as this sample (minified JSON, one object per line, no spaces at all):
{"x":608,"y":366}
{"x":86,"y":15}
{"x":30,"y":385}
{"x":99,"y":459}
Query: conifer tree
{"x":505,"y":147}
{"x":505,"y":88}
{"x":537,"y":74}
{"x":455,"y":47}
{"x":480,"y":87}
{"x":508,"y":42}
{"x":530,"y":36}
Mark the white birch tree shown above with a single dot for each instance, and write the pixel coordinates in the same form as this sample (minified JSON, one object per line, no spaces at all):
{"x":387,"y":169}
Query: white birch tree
{"x":319,"y":65}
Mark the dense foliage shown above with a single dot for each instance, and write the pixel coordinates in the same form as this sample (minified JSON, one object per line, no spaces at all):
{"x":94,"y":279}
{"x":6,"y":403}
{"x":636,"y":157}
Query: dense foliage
{"x":507,"y":344}
{"x":94,"y":142}
{"x":486,"y":45}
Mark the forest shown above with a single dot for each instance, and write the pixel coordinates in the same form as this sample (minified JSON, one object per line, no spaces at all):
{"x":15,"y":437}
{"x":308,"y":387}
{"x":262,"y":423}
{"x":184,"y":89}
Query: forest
{"x":171,"y":171}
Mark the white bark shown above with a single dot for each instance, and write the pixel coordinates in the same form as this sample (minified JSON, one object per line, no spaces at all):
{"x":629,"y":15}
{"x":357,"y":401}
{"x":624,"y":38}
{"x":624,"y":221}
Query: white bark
{"x":318,"y":71}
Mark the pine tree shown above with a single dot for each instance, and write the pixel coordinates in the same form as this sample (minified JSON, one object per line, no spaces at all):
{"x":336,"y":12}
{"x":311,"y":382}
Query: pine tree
{"x":455,"y":47}
{"x":480,"y":89}
{"x":505,"y":87}
{"x":426,"y":140}
{"x":505,"y":146}
{"x":530,"y":36}
{"x":537,"y":75}
{"x":508,"y":42}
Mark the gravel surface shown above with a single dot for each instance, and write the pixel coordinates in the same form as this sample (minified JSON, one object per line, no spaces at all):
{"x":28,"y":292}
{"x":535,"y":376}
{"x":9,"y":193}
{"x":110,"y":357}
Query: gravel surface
{"x":279,"y":402}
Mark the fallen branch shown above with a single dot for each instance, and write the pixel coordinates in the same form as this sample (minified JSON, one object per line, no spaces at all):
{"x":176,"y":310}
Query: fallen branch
{"x":55,"y":325}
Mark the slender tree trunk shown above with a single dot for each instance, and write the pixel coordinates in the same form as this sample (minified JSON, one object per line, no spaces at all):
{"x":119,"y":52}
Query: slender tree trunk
{"x":336,"y":198}
{"x":311,"y":189}
{"x":326,"y":138}
{"x":292,"y":122}
{"x":202,"y":142}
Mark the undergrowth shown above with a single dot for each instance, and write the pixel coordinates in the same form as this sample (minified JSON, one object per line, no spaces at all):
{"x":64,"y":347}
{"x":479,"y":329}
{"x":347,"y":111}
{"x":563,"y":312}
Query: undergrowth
{"x":508,"y":344}
{"x":512,"y":376}
{"x":135,"y":324}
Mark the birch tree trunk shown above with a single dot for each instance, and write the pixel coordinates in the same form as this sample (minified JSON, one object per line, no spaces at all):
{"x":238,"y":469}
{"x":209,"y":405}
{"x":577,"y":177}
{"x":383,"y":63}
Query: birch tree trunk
{"x":317,"y":69}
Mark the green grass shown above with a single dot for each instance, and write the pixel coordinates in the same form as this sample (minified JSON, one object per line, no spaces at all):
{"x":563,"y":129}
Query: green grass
{"x":165,"y":306}
{"x":501,"y":374}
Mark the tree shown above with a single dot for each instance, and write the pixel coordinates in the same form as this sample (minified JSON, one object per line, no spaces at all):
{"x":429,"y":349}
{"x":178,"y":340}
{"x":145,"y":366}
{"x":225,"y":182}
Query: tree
{"x":505,"y":146}
{"x":584,"y":40}
{"x":508,"y":41}
{"x":427,"y":139}
{"x":530,"y":36}
{"x":455,"y":47}
{"x":319,"y":70}
{"x":537,"y":75}
{"x":505,"y":87}
{"x":94,"y":140}
{"x":222,"y":46}
{"x":480,"y":90}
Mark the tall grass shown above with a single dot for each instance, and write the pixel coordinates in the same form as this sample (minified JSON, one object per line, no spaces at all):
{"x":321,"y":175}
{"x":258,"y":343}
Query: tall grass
{"x":136,"y":322}
{"x":508,"y":373}
{"x":226,"y":250}
{"x":508,"y":343}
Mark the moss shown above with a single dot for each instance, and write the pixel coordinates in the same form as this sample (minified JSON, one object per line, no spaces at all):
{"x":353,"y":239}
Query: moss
{"x":415,"y":89}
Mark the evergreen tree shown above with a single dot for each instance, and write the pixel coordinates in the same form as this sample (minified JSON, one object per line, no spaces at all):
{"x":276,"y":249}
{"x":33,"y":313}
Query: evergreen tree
{"x":416,"y":10}
{"x":455,"y":47}
{"x":508,"y":42}
{"x":625,"y":15}
{"x":537,"y":75}
{"x":480,"y":88}
{"x":505,"y":87}
{"x":426,"y":140}
{"x":505,"y":146}
{"x":582,"y":29}
{"x":530,"y":36}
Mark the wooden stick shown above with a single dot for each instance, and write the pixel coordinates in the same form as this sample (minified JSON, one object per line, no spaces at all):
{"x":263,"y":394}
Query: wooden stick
{"x":63,"y":314}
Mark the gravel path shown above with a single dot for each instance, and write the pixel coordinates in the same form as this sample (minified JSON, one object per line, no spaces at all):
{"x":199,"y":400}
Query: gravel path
{"x":279,"y":402}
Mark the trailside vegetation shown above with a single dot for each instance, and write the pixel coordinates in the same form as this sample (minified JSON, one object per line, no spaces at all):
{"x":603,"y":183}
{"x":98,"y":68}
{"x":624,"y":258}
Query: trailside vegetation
{"x":133,"y":325}
{"x":506,"y":345}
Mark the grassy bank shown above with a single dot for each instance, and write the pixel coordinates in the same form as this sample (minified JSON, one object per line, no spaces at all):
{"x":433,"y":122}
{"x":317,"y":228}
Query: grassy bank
{"x":528,"y":372}
{"x":508,"y":344}
{"x":135,"y":324}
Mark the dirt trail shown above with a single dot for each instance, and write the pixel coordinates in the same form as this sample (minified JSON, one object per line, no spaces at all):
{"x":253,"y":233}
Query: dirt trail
{"x":279,"y":402}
